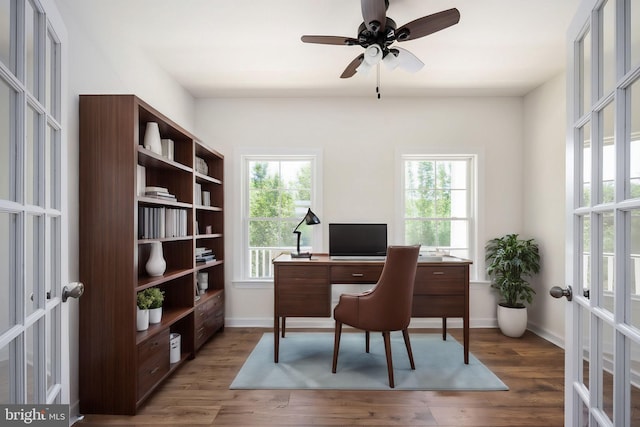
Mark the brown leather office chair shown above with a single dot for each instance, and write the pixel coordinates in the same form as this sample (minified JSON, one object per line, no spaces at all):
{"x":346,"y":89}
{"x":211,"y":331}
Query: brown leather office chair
{"x":385,"y":308}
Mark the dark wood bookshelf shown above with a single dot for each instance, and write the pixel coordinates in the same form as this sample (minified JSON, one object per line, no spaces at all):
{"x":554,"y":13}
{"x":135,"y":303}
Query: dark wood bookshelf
{"x":121,"y":367}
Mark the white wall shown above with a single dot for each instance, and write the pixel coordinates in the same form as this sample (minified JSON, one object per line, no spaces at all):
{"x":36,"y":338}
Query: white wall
{"x":96,"y":65}
{"x":359,"y":138}
{"x":544,"y":200}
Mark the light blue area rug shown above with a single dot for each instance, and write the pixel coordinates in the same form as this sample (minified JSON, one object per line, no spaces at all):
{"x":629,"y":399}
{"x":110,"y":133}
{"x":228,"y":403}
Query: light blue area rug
{"x":306,"y":357}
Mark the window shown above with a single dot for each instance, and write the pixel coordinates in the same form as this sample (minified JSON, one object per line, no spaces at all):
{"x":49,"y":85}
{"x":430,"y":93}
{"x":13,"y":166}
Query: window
{"x":438,"y":203}
{"x":277,"y":191}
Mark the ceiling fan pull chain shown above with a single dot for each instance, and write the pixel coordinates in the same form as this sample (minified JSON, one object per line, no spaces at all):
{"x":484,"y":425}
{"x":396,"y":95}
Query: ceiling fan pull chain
{"x":378,"y":80}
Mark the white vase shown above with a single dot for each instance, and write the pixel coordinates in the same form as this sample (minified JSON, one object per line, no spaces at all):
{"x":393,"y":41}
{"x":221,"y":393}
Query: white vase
{"x":155,"y":315}
{"x":152,"y":139}
{"x":156,"y":265}
{"x":203,"y":281}
{"x":142,"y":320}
{"x":512,"y":321}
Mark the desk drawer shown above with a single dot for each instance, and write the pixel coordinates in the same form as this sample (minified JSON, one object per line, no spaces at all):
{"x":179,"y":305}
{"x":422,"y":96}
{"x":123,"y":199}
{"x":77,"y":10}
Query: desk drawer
{"x":438,"y":306}
{"x":355,"y":273}
{"x":304,"y":298}
{"x":304,"y":272}
{"x":440,"y":280}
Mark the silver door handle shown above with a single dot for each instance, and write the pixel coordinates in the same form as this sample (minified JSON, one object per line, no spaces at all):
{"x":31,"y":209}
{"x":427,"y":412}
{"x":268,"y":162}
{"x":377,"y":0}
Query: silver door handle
{"x":74,"y":290}
{"x":558,"y":292}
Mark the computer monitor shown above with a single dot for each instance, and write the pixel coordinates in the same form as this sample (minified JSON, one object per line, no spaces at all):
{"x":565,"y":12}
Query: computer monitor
{"x":357,"y":240}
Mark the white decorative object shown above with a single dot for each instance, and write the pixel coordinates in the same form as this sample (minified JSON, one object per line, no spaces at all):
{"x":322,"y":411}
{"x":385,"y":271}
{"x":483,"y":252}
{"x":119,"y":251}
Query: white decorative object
{"x":142,"y":320}
{"x":155,"y":315}
{"x":203,"y":281}
{"x":141,"y":179}
{"x":167,"y":148}
{"x":156,"y":265}
{"x":174,"y":344}
{"x":152,"y":138}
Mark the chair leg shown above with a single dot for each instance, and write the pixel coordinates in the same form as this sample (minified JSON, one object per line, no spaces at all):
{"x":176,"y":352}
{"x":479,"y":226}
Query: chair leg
{"x":387,"y":350}
{"x":336,"y":346}
{"x":366,"y":338}
{"x":284,"y":323}
{"x":407,"y":343}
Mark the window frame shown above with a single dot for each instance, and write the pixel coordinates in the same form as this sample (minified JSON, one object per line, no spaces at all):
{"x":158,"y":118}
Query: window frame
{"x":473,"y":198}
{"x":241,"y":220}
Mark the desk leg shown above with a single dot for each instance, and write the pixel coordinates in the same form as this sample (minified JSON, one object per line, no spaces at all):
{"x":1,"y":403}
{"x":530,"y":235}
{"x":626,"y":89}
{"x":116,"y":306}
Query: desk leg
{"x":466,"y":339}
{"x":444,"y":329}
{"x":276,"y":338}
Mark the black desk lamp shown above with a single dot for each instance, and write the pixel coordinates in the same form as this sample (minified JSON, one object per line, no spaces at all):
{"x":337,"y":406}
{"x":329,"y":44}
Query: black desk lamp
{"x":310,"y":219}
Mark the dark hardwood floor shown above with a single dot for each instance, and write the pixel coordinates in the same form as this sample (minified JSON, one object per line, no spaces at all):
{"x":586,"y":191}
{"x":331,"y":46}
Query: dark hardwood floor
{"x":198,"y":393}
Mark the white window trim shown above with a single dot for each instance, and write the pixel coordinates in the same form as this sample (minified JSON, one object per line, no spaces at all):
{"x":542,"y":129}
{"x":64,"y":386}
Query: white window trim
{"x":241,"y":199}
{"x":476,"y":184}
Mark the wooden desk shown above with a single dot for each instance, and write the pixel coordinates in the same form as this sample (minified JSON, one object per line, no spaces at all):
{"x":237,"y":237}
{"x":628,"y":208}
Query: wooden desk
{"x":302,"y":288}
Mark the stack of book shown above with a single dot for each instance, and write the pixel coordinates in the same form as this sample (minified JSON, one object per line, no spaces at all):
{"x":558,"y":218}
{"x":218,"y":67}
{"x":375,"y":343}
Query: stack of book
{"x":204,"y":255}
{"x":159,"y":222}
{"x":159,"y":193}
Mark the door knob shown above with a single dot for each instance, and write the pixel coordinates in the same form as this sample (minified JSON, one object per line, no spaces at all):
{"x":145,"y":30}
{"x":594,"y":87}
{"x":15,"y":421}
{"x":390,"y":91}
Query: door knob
{"x":558,"y":292}
{"x":75,"y":290}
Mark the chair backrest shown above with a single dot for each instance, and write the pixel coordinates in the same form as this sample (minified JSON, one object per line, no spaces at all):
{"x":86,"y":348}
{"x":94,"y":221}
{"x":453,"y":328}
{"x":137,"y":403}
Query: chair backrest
{"x":391,"y":300}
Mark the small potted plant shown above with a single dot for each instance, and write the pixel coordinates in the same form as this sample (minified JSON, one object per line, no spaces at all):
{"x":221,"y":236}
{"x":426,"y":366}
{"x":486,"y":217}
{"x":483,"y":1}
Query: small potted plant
{"x":144,"y":302}
{"x":155,"y":308}
{"x":510,"y":261}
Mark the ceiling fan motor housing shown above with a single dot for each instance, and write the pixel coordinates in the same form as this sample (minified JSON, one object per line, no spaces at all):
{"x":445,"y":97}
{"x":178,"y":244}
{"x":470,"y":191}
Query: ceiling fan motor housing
{"x":383,"y":38}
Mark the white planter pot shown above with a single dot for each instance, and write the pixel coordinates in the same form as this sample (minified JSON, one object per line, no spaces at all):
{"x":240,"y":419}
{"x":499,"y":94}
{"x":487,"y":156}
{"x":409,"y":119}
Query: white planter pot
{"x":155,"y":315}
{"x":512,"y":321}
{"x":156,"y":265}
{"x":142,"y":320}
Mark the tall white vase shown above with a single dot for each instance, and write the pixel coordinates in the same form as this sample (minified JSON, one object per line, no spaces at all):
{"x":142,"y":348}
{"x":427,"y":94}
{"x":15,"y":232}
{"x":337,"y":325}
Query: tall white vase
{"x":156,"y":265}
{"x":152,"y":139}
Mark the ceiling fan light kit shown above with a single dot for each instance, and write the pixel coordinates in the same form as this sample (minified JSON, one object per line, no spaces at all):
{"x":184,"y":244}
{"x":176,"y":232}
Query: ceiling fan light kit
{"x":378,"y":33}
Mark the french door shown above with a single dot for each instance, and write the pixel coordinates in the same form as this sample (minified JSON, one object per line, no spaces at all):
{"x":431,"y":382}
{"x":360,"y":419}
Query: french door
{"x":603,"y":215}
{"x":33,"y":247}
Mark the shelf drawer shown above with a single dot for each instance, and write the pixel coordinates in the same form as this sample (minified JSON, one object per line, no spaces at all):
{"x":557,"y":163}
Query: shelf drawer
{"x":153,"y":361}
{"x":355,"y":274}
{"x":440,"y":280}
{"x":147,"y":349}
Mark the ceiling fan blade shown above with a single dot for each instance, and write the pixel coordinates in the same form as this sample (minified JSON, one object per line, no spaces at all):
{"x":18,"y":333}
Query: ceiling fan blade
{"x":399,"y":57}
{"x":351,"y":68}
{"x":374,"y":13}
{"x":428,"y":25}
{"x":336,"y":40}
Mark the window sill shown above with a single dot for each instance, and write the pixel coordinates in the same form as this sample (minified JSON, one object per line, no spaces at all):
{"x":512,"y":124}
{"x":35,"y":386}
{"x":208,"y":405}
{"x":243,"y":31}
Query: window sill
{"x":253,"y":284}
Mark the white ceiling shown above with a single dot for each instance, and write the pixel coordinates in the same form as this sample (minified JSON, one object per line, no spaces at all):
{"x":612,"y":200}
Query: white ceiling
{"x":252,"y":48}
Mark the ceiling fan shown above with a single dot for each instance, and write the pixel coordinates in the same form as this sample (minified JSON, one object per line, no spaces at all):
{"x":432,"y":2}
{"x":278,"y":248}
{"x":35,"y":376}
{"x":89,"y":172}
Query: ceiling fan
{"x":378,"y":33}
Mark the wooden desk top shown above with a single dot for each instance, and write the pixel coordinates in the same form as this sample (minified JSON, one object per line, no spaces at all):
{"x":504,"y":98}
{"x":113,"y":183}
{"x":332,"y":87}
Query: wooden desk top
{"x":324,"y":259}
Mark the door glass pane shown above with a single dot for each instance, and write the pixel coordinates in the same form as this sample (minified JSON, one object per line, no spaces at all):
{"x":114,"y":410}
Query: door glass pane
{"x":51,"y":337}
{"x":5,"y":34}
{"x":7,"y":148}
{"x":31,"y":350}
{"x":607,"y":261}
{"x":585,"y":73}
{"x":7,"y":270}
{"x":32,"y":263}
{"x":633,"y":137}
{"x":634,"y":369}
{"x":51,"y":76}
{"x":5,"y":374}
{"x":30,"y":39}
{"x":52,"y":277}
{"x":607,"y":365}
{"x":607,"y":155}
{"x":586,"y":254}
{"x":586,"y":343}
{"x":608,"y":47}
{"x":635,"y":33}
{"x":31,"y":159}
{"x":634,"y":268}
{"x":585,"y":137}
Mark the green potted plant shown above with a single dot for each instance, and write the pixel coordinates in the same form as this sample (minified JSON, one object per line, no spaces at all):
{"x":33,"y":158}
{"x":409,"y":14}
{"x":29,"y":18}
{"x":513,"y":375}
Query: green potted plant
{"x":144,"y":302}
{"x":155,"y":308}
{"x":510,"y":261}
